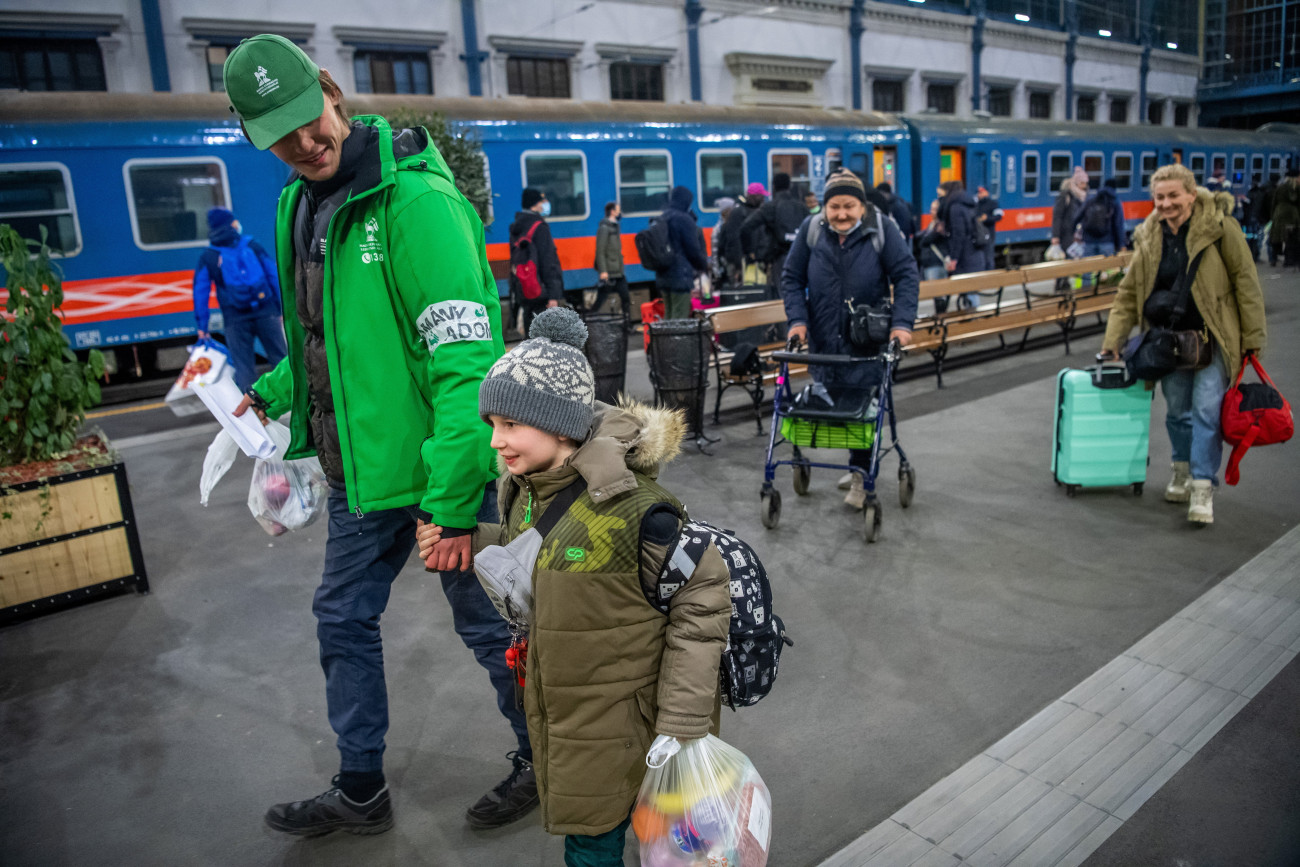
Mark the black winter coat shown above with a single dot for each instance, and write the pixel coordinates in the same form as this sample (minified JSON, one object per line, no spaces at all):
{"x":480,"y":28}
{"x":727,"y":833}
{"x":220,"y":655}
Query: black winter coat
{"x":549,"y":271}
{"x":684,"y":235}
{"x":958,"y":213}
{"x":816,"y":283}
{"x":727,"y":241}
{"x":780,"y":216}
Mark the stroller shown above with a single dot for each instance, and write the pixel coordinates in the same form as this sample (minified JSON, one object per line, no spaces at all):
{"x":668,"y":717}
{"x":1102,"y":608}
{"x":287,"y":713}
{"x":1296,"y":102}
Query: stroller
{"x":851,"y":420}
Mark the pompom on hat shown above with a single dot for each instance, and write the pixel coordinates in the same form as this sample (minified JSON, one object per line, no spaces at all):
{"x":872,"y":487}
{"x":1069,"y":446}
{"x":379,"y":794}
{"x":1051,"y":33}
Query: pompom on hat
{"x":545,"y":382}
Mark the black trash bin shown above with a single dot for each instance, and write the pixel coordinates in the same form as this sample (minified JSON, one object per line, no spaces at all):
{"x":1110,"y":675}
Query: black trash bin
{"x":607,"y":353}
{"x":679,"y":365}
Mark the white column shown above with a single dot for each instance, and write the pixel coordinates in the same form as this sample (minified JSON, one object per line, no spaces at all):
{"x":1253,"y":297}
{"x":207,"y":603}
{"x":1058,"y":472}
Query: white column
{"x":1103,"y":107}
{"x":1167,"y":116}
{"x":346,"y":76}
{"x":1020,"y":101}
{"x":110,"y":48}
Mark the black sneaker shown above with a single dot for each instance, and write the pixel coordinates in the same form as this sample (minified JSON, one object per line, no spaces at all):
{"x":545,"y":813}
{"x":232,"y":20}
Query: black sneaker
{"x":511,"y":799}
{"x":333,"y":811}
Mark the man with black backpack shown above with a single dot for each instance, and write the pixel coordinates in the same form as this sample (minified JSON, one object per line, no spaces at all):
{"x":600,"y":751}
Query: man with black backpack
{"x":536,"y":278}
{"x":688,"y":255}
{"x":988,"y":212}
{"x":248,"y":294}
{"x":771,"y":229}
{"x":1101,"y":224}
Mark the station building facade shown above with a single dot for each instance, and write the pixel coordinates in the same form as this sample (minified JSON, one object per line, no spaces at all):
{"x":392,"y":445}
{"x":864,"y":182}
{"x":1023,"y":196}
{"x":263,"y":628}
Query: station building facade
{"x":1103,"y":61}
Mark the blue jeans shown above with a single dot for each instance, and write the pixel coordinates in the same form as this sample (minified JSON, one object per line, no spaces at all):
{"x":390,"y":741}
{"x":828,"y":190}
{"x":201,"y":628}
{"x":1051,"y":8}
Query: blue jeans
{"x":240,"y":330}
{"x":1096,"y":248}
{"x":1193,"y":399}
{"x":362,"y":557}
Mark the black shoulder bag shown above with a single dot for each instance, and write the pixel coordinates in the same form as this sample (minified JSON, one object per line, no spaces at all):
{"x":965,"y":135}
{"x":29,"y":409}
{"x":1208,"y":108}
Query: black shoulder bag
{"x":1159,"y":351}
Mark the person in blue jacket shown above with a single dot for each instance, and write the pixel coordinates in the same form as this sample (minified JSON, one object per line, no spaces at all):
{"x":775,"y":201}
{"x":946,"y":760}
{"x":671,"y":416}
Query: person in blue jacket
{"x":248,"y":294}
{"x":958,"y":213}
{"x":689,"y":255}
{"x":857,"y":255}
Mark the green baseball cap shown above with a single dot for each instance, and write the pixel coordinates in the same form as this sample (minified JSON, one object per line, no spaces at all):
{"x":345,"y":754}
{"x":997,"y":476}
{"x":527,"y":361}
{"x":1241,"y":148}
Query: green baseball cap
{"x":273,"y":86}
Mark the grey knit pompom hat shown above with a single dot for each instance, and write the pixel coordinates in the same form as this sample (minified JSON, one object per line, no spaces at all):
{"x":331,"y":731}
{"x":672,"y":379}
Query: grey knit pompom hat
{"x":544,"y":382}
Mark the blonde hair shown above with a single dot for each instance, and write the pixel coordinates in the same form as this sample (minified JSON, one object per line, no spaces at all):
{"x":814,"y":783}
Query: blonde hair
{"x":331,"y":89}
{"x":1175,"y":172}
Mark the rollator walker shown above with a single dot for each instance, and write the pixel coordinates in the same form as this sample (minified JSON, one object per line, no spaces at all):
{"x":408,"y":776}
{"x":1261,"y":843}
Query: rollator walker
{"x":852,"y":420}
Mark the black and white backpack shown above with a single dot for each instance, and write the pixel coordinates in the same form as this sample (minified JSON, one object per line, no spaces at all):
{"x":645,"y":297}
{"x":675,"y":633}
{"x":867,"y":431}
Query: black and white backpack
{"x":756,"y":634}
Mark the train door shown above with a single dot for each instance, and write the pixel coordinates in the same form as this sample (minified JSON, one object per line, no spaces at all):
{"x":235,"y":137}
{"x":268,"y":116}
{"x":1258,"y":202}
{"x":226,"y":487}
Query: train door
{"x":860,"y":164}
{"x":795,"y":163}
{"x":977,"y":172}
{"x":952,"y":164}
{"x":885,"y":167}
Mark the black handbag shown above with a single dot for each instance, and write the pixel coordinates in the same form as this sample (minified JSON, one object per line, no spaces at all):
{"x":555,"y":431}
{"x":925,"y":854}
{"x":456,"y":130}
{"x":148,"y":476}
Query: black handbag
{"x":1159,"y":351}
{"x":869,"y":326}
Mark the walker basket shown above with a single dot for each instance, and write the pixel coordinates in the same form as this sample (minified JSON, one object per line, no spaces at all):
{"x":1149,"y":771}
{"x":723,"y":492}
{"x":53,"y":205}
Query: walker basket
{"x":827,"y":434}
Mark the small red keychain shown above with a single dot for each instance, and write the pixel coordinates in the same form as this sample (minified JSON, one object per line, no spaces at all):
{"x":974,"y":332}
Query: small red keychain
{"x":517,"y":661}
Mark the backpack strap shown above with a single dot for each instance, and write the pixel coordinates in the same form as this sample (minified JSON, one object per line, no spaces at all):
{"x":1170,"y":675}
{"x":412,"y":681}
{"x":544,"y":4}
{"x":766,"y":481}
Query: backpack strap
{"x":559,"y":504}
{"x":815,"y":227}
{"x":662,"y":524}
{"x":528,"y":236}
{"x":211,"y":259}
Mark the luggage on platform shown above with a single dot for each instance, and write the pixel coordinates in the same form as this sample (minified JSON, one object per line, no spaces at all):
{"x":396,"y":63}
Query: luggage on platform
{"x":1101,"y":435}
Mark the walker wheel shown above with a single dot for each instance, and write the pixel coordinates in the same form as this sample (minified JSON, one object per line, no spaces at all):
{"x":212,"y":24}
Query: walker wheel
{"x":906,"y":485}
{"x":871,"y":521}
{"x":802,"y":478}
{"x":770,"y":509}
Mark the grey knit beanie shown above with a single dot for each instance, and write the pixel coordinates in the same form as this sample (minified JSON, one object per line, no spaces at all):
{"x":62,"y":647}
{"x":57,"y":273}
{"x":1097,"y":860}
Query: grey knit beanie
{"x":544,"y":382}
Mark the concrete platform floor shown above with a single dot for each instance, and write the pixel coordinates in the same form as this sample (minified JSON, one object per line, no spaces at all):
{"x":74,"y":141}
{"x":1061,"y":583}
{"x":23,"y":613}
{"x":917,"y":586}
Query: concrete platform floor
{"x":156,"y":729}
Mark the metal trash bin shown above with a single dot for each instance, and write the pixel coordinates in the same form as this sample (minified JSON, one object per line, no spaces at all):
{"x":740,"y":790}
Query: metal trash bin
{"x":679,"y":366}
{"x":607,"y":354}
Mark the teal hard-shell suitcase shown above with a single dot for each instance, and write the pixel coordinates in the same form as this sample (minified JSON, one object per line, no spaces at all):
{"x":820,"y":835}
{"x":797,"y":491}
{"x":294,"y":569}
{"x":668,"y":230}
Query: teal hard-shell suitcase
{"x":1101,"y":435}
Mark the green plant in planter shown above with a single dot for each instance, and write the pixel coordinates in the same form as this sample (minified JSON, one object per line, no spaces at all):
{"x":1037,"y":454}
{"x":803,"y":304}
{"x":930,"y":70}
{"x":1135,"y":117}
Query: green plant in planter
{"x":463,"y":153}
{"x":44,"y":388}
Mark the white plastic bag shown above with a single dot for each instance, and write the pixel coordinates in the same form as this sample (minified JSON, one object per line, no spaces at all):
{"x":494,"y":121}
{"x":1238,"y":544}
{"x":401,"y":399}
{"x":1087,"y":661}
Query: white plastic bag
{"x":207,"y":363}
{"x":220,"y":456}
{"x":286,"y":495}
{"x":1054,"y":254}
{"x":704,"y":804}
{"x":1075,"y":250}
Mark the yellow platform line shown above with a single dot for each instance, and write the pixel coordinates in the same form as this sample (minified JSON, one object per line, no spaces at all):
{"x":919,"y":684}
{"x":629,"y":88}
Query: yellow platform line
{"x":107,"y":412}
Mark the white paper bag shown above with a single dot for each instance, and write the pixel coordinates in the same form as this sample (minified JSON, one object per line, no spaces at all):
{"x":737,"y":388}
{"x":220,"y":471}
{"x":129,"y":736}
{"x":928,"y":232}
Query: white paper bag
{"x":207,"y":363}
{"x":221,"y":398}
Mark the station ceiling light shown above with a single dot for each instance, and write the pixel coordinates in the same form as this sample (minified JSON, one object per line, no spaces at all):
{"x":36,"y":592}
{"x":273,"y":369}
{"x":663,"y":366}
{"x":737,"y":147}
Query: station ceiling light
{"x":1020,"y":16}
{"x":1103,"y":33}
{"x":1172,"y":46}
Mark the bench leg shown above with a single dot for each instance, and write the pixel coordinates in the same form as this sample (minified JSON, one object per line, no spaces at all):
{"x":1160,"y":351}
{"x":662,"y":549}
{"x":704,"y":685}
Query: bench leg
{"x":938,"y":355}
{"x":757,"y":395}
{"x":717,"y":398}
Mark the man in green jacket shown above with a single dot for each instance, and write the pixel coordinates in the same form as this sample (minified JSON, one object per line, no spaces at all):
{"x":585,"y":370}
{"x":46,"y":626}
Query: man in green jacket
{"x":609,"y":261}
{"x":392,"y":319}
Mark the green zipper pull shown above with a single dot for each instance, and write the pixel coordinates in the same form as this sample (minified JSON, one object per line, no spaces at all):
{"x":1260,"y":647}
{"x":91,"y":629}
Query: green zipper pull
{"x":528,"y":510}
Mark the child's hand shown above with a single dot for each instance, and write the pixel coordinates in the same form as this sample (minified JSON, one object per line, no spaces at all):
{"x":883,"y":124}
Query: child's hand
{"x":427,"y":536}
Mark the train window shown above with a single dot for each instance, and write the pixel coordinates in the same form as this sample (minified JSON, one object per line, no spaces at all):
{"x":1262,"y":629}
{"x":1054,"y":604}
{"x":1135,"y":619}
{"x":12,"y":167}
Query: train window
{"x":169,"y":200}
{"x":1150,"y":162}
{"x":793,"y":163}
{"x":1238,"y":177}
{"x":1029,"y":173}
{"x":1095,"y":165}
{"x":1257,"y":168}
{"x":995,"y":174}
{"x":562,"y":175}
{"x":721,"y":173}
{"x":1197,"y":165}
{"x":1219,"y":166}
{"x":1122,"y":171}
{"x":1060,"y":165}
{"x":33,"y":195}
{"x":644,"y":179}
{"x":1274,"y":168}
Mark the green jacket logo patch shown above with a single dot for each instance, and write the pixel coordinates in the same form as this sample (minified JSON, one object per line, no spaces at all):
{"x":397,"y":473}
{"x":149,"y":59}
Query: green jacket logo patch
{"x":575,"y":555}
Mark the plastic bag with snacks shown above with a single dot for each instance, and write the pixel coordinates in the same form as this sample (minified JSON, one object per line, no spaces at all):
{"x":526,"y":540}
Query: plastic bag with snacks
{"x":1054,"y":254}
{"x":702,"y":804}
{"x":286,"y":495}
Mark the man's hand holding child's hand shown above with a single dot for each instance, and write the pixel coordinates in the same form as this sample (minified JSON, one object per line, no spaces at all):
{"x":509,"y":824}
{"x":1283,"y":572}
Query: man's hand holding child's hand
{"x":439,"y":554}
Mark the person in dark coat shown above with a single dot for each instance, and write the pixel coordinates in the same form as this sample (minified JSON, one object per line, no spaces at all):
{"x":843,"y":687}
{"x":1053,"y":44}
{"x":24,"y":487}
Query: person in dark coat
{"x":535,"y":209}
{"x":900,"y":210}
{"x":1100,"y":224}
{"x":933,"y":244}
{"x":727,"y":241}
{"x":989,"y":212}
{"x":1285,"y":234}
{"x":609,"y":261}
{"x":842,"y":264}
{"x":689,"y":255}
{"x":957,"y":212}
{"x":778,"y":219}
{"x":1065,"y":211}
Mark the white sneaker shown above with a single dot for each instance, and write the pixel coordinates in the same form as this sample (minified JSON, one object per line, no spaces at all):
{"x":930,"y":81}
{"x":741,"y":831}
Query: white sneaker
{"x":846,"y":481}
{"x":1178,"y":490}
{"x":1201,"y":508}
{"x":856,"y":497}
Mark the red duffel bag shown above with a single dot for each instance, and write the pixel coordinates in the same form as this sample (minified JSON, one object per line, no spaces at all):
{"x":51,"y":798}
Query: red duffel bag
{"x":1255,"y":414}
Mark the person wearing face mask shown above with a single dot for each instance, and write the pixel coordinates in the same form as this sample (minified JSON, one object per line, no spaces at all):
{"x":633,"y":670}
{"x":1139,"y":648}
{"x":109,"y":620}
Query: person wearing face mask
{"x":1226,"y":302}
{"x":393,"y":321}
{"x":857,"y":256}
{"x":534,"y":209}
{"x":248,"y":293}
{"x":609,"y":260}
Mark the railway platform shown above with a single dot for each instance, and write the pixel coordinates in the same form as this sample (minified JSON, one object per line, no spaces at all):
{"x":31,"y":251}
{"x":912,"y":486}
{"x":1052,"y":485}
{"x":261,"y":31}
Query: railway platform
{"x":1008,"y":676}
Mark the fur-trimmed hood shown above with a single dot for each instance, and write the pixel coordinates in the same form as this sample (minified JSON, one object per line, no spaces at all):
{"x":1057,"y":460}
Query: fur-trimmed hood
{"x":626,"y":439}
{"x":1205,"y":225}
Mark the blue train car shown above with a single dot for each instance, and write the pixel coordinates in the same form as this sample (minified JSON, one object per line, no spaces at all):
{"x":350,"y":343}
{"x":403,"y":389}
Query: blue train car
{"x":1024,"y":163}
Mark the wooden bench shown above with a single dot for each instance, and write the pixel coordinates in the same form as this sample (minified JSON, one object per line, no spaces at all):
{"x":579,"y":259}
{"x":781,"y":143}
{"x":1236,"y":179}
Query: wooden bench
{"x":730,"y":320}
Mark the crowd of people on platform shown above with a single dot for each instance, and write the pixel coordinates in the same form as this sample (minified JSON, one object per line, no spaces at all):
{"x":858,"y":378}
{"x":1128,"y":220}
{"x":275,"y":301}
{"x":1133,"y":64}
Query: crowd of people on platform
{"x":432,"y":435}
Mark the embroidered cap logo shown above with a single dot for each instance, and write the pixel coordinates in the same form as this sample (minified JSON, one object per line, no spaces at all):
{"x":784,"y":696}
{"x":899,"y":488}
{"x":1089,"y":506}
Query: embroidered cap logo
{"x":265,"y":84}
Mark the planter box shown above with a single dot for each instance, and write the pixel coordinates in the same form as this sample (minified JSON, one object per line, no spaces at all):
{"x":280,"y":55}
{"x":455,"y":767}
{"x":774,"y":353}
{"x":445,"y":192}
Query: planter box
{"x":67,"y":538}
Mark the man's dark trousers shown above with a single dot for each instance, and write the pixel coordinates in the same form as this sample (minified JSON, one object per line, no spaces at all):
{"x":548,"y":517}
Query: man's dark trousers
{"x":240,"y":329}
{"x":362,"y":557}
